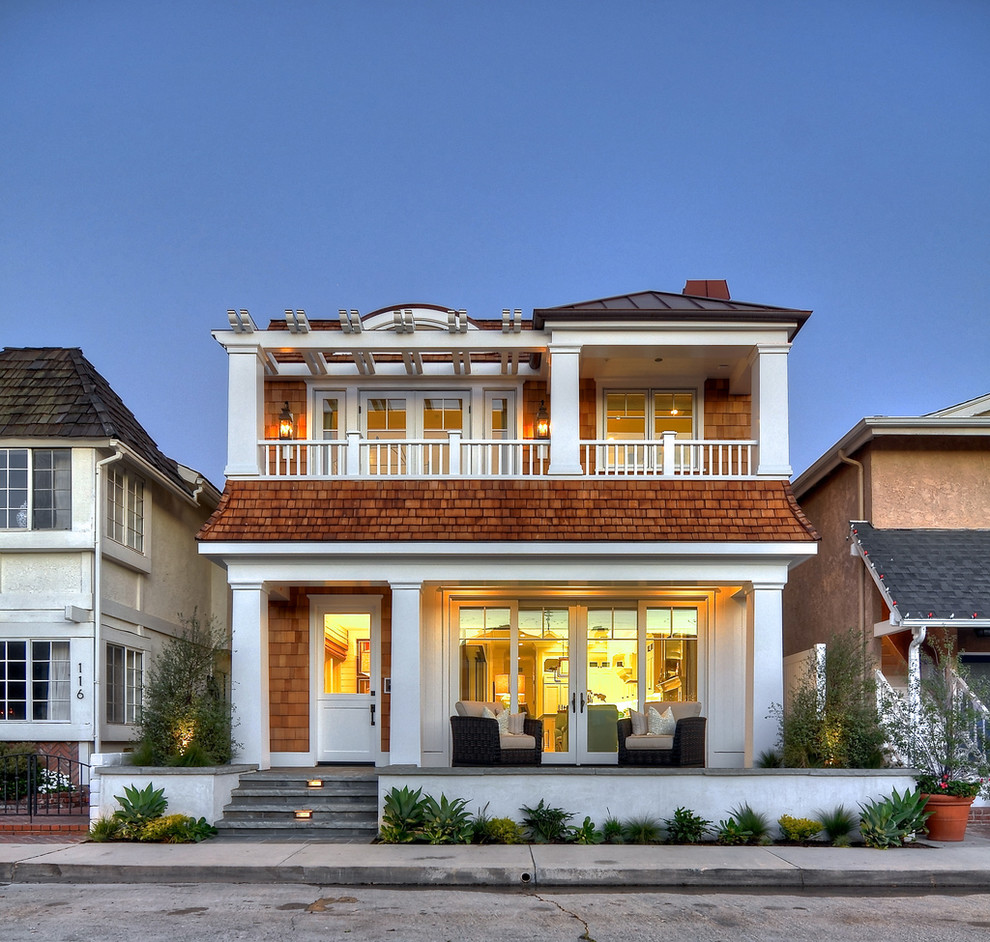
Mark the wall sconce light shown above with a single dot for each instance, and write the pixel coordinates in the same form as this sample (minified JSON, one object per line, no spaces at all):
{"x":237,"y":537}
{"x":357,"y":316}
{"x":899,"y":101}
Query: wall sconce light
{"x":315,"y":783}
{"x":542,"y":426}
{"x":286,"y":424}
{"x":304,"y":814}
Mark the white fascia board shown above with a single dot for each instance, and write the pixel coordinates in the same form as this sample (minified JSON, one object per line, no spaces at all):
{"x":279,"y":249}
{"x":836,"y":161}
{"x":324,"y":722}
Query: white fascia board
{"x":672,"y":333}
{"x":425,"y":341}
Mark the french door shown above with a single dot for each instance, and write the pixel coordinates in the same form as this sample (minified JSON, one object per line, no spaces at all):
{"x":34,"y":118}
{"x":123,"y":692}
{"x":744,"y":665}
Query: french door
{"x":578,"y":666}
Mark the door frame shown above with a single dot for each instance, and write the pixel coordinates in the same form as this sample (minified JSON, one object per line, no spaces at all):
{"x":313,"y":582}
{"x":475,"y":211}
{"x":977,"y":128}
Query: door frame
{"x":327,"y":604}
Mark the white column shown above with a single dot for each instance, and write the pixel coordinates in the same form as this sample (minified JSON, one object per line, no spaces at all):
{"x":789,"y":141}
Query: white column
{"x":245,"y":411}
{"x":764,"y":667}
{"x":405,"y":733}
{"x":249,"y":673}
{"x":770,"y":409}
{"x":565,"y":409}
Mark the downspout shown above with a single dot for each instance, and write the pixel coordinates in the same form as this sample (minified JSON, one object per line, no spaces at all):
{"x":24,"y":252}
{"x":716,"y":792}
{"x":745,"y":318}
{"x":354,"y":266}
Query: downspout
{"x":98,"y":592}
{"x":914,"y":681}
{"x":860,"y":515}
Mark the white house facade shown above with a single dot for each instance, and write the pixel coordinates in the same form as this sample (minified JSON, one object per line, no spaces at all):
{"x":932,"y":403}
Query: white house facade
{"x":572,"y":515}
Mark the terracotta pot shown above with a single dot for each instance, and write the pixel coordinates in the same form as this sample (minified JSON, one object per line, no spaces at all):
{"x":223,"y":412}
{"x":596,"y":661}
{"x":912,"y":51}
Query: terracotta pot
{"x":948,"y":823}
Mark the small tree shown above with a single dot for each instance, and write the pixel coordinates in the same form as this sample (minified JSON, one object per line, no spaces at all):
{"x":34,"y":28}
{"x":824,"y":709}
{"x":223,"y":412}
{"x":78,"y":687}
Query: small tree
{"x":186,"y":719}
{"x":835,"y":724}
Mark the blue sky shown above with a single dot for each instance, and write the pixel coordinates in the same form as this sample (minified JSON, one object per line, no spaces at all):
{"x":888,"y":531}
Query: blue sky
{"x":162,"y":162}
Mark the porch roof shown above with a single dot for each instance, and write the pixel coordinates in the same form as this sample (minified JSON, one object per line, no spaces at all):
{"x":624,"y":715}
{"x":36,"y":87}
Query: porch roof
{"x":395,"y":510}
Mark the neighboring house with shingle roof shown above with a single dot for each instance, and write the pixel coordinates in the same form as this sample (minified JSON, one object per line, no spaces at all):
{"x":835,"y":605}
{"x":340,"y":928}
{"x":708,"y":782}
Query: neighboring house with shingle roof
{"x":903,"y":507}
{"x":572,"y":514}
{"x":97,"y":554}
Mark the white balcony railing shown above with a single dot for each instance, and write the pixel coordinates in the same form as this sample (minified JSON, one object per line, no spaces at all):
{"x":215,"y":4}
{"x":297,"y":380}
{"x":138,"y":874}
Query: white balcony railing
{"x":454,"y":456}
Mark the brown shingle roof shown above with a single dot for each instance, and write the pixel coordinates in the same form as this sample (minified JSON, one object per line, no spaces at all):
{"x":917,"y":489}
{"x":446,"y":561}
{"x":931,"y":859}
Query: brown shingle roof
{"x":507,"y":510}
{"x":55,"y":392}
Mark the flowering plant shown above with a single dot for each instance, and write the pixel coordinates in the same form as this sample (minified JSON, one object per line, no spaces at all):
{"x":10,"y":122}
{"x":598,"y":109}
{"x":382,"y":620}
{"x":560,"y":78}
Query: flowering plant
{"x":954,"y":787}
{"x":54,"y":782}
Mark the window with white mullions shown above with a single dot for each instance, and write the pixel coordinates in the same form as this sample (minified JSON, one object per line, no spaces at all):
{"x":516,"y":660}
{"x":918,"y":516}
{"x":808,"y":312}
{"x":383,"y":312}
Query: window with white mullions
{"x":125,"y":508}
{"x":35,"y":488}
{"x":34,"y":680}
{"x":124,"y":683}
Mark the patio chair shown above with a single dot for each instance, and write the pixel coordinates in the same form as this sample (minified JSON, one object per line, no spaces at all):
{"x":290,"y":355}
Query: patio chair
{"x":477,"y":741}
{"x":684,"y":749}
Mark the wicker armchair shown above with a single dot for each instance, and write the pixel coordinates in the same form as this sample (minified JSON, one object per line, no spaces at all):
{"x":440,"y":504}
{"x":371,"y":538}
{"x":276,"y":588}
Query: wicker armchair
{"x":688,"y":750}
{"x":476,"y":742}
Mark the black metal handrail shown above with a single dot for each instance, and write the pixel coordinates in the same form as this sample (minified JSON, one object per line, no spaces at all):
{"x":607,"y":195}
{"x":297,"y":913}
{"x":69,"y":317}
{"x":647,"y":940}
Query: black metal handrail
{"x":33,"y":783}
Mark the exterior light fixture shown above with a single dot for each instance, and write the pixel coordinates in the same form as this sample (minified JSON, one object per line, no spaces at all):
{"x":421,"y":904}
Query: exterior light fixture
{"x":304,"y":814}
{"x":286,"y":424}
{"x":542,"y":425}
{"x":315,"y":783}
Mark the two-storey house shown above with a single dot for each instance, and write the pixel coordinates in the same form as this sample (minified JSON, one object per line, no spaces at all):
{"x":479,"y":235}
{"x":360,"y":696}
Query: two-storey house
{"x":97,"y":555}
{"x":574,"y":513}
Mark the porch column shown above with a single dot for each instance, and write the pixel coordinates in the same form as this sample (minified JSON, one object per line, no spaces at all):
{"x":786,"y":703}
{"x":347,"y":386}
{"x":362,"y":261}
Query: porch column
{"x":764,"y":667}
{"x":565,"y":409}
{"x":249,"y":672}
{"x":245,"y":411}
{"x":770,"y":409}
{"x":405,"y":733}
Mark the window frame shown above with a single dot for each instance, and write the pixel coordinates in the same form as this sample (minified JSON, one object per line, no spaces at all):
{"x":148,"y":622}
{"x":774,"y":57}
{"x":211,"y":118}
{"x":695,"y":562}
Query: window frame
{"x":124,"y":692}
{"x":651,"y":393}
{"x":60,"y":497}
{"x":128,"y":515}
{"x":31,"y":681}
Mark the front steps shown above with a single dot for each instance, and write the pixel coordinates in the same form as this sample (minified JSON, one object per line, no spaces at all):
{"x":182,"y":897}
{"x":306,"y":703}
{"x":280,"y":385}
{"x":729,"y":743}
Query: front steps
{"x":263,"y":806}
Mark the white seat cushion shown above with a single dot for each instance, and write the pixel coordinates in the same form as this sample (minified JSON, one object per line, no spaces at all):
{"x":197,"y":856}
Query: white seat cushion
{"x":521,"y":741}
{"x":649,"y":742}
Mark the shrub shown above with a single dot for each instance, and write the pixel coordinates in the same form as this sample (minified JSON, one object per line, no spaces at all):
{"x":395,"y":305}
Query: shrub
{"x":798,"y":829}
{"x":177,"y":829}
{"x":137,"y":808}
{"x":446,"y":821}
{"x":686,"y":827}
{"x":730,"y":832}
{"x":105,"y":829}
{"x":644,"y":829}
{"x":497,"y":831}
{"x":585,"y":833}
{"x":834,"y":723}
{"x":755,"y":823}
{"x":837,"y":823}
{"x":612,"y":830}
{"x":546,"y":825}
{"x":403,"y":815}
{"x":894,"y":820}
{"x":186,"y":720}
{"x":14,"y":759}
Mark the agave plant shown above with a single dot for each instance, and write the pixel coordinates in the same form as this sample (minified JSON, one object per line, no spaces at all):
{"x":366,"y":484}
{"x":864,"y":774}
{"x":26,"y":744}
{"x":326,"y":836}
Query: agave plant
{"x":893,"y":821}
{"x":447,"y":821}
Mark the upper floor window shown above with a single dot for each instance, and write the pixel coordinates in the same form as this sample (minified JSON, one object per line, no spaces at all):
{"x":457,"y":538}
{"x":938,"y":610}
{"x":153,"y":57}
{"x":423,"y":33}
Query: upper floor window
{"x":125,"y":508}
{"x":35,"y":680}
{"x":36,"y":488}
{"x":645,"y":414}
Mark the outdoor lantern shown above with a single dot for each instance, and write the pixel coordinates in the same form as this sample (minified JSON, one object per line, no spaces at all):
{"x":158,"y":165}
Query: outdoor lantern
{"x":542,"y":421}
{"x":286,"y":424}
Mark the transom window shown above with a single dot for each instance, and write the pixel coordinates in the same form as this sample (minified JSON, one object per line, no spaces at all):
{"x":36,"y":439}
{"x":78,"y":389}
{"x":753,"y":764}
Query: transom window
{"x":34,"y":680}
{"x":36,"y":488}
{"x":125,"y":508}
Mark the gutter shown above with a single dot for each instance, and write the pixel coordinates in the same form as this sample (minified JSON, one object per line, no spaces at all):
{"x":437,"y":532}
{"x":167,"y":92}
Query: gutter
{"x":100,"y":505}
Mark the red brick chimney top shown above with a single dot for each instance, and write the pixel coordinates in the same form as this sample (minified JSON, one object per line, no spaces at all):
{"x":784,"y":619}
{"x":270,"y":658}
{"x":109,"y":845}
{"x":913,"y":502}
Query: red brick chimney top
{"x":709,"y":288}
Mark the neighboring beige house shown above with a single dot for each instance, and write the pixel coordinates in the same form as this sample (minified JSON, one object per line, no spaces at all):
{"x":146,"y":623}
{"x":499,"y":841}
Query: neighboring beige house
{"x":903,"y":508}
{"x":97,"y":555}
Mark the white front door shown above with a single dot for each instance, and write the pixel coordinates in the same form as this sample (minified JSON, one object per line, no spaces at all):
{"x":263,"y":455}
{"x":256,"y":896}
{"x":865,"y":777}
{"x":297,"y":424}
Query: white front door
{"x":346,"y":669}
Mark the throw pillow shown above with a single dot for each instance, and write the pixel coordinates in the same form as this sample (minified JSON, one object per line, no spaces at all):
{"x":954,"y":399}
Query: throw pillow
{"x":503,"y":722}
{"x":661,"y":724}
{"x":516,"y":721}
{"x":639,"y":723}
{"x":487,"y":714}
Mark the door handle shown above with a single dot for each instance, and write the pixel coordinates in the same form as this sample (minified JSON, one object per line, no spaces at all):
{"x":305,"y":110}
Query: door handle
{"x":582,"y":701}
{"x":573,"y":703}
{"x":372,"y":708}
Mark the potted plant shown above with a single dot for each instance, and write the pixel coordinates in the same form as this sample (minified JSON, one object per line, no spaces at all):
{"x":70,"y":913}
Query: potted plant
{"x":946,"y":740}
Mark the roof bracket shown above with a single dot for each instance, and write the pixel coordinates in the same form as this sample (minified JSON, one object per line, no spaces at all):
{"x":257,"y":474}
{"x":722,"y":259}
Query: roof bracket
{"x":296,"y":321}
{"x":241,"y":321}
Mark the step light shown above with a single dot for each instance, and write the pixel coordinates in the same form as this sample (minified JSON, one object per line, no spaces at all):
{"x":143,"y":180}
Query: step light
{"x":303,"y":814}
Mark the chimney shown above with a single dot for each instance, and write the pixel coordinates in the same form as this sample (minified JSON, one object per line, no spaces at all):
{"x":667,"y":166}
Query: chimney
{"x":710,"y":288}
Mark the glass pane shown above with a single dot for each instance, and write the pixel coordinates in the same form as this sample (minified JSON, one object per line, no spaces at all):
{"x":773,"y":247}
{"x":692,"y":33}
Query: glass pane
{"x":612,"y":686}
{"x":484,"y":655}
{"x":544,"y":664}
{"x":671,"y":654}
{"x":441,"y":416}
{"x":387,"y":418}
{"x":499,"y":417}
{"x":331,"y":418}
{"x":673,"y":412}
{"x":347,"y":653}
{"x":625,"y":416}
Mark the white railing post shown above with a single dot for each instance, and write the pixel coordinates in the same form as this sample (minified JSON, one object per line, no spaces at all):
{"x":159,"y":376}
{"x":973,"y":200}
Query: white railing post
{"x":454,"y":444}
{"x":352,"y":460}
{"x":668,"y":453}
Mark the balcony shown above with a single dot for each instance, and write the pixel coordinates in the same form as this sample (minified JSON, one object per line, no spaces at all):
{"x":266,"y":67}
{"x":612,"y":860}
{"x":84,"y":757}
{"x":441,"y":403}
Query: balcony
{"x":354,"y":456}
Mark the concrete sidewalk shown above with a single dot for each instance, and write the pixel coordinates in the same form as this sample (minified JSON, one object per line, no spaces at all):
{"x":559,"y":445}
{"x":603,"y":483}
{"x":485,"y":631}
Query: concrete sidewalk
{"x":965,"y":865}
